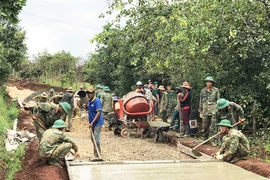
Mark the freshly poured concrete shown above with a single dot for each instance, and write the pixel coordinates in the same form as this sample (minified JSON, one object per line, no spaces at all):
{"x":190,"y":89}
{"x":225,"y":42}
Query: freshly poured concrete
{"x":182,"y":170}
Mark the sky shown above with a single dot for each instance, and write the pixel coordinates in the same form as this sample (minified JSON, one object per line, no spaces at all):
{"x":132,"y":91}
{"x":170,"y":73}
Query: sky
{"x":58,"y":25}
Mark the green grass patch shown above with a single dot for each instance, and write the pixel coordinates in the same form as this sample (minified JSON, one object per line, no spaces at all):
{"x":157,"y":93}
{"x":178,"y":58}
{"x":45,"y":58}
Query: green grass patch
{"x":10,"y":162}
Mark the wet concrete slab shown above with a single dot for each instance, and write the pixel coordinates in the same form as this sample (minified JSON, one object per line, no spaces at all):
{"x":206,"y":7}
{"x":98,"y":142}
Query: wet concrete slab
{"x":188,"y":170}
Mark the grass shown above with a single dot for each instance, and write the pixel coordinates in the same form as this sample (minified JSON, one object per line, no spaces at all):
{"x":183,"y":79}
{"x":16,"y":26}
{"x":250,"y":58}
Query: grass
{"x":10,"y":162}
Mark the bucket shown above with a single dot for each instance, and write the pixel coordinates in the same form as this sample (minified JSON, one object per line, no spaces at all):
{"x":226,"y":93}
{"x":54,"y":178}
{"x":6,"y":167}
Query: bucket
{"x":193,"y":122}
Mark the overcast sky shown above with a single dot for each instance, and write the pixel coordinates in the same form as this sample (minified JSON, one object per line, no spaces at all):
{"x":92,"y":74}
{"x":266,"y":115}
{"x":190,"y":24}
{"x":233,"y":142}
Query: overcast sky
{"x":58,"y":25}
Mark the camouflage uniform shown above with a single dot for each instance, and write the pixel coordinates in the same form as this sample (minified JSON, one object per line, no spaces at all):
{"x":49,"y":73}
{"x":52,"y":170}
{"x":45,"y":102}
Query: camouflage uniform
{"x":172,"y":103}
{"x":46,"y":114}
{"x":229,"y":113}
{"x":55,"y":145}
{"x":234,"y":144}
{"x":99,"y":92}
{"x":50,"y":96}
{"x":40,"y":98}
{"x":106,"y":102}
{"x":56,"y":99}
{"x":207,"y":107}
{"x":68,"y":97}
{"x":164,"y":106}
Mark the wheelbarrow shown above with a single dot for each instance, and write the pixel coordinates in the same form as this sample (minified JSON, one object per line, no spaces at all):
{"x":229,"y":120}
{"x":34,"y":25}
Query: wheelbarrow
{"x":141,"y":126}
{"x":159,"y":130}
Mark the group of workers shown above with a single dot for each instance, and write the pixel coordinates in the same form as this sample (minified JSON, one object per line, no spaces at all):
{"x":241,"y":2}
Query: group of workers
{"x":51,"y":113}
{"x":214,"y":111}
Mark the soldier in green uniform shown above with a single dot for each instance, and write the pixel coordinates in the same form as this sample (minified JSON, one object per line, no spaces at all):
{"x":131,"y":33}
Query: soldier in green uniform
{"x":235,"y":145}
{"x":207,"y":107}
{"x":51,"y":94}
{"x":45,"y":114}
{"x":164,"y":102}
{"x":227,"y":109}
{"x":56,"y":99}
{"x":172,"y":101}
{"x":99,"y":90}
{"x":155,"y":93}
{"x":106,"y":102}
{"x":55,"y":145}
{"x":41,"y":98}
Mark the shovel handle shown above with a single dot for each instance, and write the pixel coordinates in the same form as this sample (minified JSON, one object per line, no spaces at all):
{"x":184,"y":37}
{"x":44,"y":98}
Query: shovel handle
{"x":95,"y":144}
{"x":213,"y":136}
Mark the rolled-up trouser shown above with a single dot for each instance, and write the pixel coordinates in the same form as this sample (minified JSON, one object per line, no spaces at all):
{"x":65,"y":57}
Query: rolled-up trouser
{"x":70,"y":119}
{"x":96,"y":131}
{"x":175,"y":116}
{"x":209,"y":120}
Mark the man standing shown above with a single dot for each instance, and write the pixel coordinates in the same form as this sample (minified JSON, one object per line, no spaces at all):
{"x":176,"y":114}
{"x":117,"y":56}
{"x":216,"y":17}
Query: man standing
{"x":45,"y":114}
{"x":55,"y":145}
{"x":106,"y":103}
{"x":172,"y":101}
{"x":155,"y":93}
{"x":235,"y":145}
{"x":177,"y":109}
{"x":207,"y":107}
{"x":227,"y":110}
{"x":99,"y":90}
{"x":51,"y":94}
{"x":95,"y":118}
{"x":163,"y":103}
{"x":68,"y":97}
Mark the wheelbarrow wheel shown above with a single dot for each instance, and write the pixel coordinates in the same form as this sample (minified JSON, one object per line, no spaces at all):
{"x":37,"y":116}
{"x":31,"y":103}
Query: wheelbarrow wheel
{"x":125,"y":133}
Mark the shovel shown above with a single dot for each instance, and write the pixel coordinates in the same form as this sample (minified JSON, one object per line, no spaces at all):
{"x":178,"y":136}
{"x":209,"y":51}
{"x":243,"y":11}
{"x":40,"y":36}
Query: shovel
{"x":197,"y":153}
{"x":95,"y":144}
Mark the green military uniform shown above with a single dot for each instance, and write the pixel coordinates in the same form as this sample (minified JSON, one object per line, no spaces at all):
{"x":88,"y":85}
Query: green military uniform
{"x":155,"y":93}
{"x":56,"y":99}
{"x":164,"y":106}
{"x":172,"y":102}
{"x":207,"y":107}
{"x":226,"y":110}
{"x":234,"y":144}
{"x":41,"y":98}
{"x":46,"y":114}
{"x":106,"y":102}
{"x":55,"y":145}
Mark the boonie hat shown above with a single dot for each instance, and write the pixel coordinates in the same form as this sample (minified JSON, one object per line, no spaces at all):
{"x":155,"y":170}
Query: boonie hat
{"x":225,"y":122}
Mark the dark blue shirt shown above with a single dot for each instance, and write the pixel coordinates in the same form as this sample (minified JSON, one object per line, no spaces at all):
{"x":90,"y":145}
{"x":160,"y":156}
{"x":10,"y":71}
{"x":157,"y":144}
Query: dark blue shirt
{"x":93,"y":107}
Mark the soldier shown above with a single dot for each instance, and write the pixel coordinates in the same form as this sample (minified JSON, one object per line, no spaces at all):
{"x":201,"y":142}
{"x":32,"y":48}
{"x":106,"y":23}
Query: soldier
{"x":172,"y":101}
{"x":57,"y":98}
{"x":68,"y":97}
{"x":51,"y":94}
{"x":163,"y":103}
{"x":227,"y":109}
{"x":45,"y":114}
{"x":55,"y":145}
{"x":155,"y":93}
{"x":99,"y":90}
{"x":106,"y":102}
{"x":207,"y":107}
{"x":235,"y":145}
{"x":41,"y":98}
{"x":175,"y":115}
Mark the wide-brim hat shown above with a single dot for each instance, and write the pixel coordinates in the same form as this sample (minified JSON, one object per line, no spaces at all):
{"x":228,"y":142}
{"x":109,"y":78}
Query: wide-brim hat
{"x":161,"y":87}
{"x":61,"y":94}
{"x":222,"y":103}
{"x":70,"y":89}
{"x":59,"y":124}
{"x":98,"y":86}
{"x":225,"y":122}
{"x":90,"y":89}
{"x":186,"y":85}
{"x":209,"y":78}
{"x":65,"y":106}
{"x":44,"y":95}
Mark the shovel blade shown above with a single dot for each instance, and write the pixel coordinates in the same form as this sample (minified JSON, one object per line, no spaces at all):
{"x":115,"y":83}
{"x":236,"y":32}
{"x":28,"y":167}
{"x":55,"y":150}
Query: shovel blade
{"x":196,"y":153}
{"x":96,"y":159}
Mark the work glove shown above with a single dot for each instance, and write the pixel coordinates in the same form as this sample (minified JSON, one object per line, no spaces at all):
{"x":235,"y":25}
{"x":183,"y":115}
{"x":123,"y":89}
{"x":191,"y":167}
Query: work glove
{"x":219,"y":156}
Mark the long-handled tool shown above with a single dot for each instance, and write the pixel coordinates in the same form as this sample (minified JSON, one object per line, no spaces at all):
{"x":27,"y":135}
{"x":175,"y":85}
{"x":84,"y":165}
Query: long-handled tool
{"x":95,"y":144}
{"x":197,"y":153}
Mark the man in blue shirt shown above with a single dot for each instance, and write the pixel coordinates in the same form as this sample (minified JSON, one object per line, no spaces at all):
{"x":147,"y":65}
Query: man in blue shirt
{"x":95,"y":117}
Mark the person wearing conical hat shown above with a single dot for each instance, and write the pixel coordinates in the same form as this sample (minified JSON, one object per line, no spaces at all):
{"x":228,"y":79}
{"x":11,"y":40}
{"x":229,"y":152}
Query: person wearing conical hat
{"x":207,"y":107}
{"x":235,"y":145}
{"x":164,"y":102}
{"x":68,"y":97}
{"x":41,"y":97}
{"x":185,"y":99}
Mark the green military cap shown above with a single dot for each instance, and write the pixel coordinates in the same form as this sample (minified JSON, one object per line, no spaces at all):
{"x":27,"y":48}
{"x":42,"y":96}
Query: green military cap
{"x":51,"y":90}
{"x":65,"y":106}
{"x":178,"y":88}
{"x":59,"y":124}
{"x":225,"y":122}
{"x":106,"y":88}
{"x":209,"y":78}
{"x":98,"y":86}
{"x":222,"y":103}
